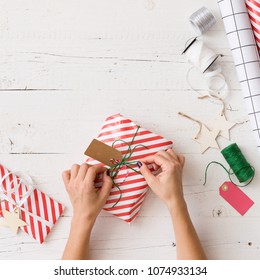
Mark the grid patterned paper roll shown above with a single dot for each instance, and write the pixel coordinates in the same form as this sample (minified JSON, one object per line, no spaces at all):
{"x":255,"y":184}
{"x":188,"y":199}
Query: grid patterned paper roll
{"x":246,"y":57}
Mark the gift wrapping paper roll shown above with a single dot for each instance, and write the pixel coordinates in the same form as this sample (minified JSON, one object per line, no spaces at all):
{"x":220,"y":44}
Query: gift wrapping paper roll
{"x":246,"y":57}
{"x":253,"y":8}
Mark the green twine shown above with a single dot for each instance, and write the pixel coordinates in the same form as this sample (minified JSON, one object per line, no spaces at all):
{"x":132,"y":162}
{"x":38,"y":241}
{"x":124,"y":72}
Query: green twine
{"x":238,"y":164}
{"x":114,"y":170}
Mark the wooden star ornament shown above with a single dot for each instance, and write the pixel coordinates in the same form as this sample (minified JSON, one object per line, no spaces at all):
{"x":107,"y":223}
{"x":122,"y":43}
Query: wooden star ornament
{"x":207,"y":138}
{"x":12,"y":220}
{"x":222,"y":124}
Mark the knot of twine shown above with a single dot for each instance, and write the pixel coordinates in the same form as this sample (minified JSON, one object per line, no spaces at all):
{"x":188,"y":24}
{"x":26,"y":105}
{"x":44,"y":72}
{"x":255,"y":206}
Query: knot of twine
{"x":124,"y":163}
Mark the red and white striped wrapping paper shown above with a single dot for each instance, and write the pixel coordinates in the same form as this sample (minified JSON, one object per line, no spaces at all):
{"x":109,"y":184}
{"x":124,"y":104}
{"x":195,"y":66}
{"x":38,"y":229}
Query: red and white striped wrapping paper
{"x":132,"y":185}
{"x":39,"y":211}
{"x":253,"y":7}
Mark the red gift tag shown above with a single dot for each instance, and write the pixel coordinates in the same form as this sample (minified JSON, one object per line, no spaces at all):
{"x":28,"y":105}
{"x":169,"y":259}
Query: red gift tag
{"x":235,"y":197}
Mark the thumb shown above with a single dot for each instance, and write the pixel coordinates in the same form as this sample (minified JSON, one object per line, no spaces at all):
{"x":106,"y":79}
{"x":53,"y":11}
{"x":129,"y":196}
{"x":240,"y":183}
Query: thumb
{"x":148,"y":175}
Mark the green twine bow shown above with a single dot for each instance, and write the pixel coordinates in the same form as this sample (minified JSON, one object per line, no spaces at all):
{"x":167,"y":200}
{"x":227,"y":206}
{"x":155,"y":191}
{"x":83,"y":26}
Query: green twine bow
{"x":114,"y":170}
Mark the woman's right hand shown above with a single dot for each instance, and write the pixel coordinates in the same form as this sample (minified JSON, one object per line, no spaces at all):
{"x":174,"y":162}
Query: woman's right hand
{"x":167,"y":183}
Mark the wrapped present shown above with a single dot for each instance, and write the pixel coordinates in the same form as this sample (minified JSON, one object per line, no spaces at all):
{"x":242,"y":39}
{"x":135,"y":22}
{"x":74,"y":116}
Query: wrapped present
{"x":135,"y":143}
{"x":39,"y":211}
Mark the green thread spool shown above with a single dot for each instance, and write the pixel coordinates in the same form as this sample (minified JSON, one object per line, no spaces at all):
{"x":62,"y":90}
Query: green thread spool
{"x":238,"y":164}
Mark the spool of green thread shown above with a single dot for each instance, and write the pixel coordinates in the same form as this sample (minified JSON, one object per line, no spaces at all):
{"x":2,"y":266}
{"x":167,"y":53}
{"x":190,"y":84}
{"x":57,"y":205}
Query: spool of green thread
{"x":238,"y":163}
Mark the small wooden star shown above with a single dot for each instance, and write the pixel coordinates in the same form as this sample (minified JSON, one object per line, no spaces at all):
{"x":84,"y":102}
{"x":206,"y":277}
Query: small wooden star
{"x":12,"y":220}
{"x":223,"y":125}
{"x":207,"y":138}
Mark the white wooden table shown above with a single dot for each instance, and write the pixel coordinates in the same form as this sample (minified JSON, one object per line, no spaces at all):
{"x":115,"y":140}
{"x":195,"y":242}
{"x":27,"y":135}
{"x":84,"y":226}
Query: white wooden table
{"x":66,"y":66}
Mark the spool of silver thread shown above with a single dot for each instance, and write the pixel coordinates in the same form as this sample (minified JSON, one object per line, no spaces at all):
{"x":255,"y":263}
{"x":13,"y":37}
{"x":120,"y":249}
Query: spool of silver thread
{"x":202,"y":20}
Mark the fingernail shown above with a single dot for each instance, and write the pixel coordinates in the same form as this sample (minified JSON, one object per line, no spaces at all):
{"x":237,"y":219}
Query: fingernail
{"x":139,"y":164}
{"x":108,"y":173}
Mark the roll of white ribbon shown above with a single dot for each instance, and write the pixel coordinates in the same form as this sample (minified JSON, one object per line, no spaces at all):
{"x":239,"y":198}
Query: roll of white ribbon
{"x":202,"y":20}
{"x":199,"y":55}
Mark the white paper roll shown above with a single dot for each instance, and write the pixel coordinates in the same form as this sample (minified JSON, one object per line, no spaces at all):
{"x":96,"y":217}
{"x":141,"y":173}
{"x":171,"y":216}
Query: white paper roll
{"x":246,"y":57}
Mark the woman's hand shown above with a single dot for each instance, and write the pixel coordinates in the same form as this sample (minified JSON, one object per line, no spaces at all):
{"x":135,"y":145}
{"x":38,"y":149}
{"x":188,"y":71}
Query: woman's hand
{"x":167,"y":184}
{"x":87,"y":200}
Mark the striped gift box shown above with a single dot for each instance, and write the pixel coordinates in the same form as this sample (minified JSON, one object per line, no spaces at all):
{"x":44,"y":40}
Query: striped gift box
{"x":39,"y":211}
{"x":253,"y":7}
{"x":125,"y":202}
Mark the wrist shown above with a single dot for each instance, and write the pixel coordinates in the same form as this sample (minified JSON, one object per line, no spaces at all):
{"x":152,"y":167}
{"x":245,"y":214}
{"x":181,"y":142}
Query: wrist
{"x":82,"y":223}
{"x":177,"y":205}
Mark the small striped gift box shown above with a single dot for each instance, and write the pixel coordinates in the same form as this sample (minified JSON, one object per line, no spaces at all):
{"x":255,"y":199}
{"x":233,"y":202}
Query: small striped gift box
{"x":126,"y":200}
{"x":38,"y":210}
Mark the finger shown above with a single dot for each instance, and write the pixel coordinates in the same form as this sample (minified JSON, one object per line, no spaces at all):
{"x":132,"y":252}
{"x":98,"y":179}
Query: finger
{"x":66,"y":177}
{"x":168,"y":155}
{"x":148,"y":160}
{"x":157,"y":159}
{"x":181,"y":159}
{"x":172,"y":153}
{"x":93,"y":171}
{"x":155,"y":166}
{"x":74,"y":170}
{"x":83,"y":171}
{"x":148,"y":175}
{"x":107,"y":186}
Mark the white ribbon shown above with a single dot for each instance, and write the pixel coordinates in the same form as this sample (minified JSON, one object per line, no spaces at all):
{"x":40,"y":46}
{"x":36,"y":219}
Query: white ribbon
{"x":6,"y":194}
{"x":199,"y":55}
{"x":216,"y":81}
{"x":203,"y":59}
